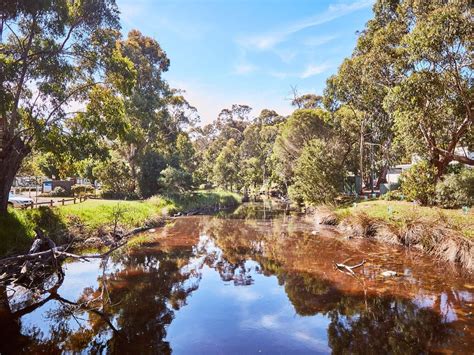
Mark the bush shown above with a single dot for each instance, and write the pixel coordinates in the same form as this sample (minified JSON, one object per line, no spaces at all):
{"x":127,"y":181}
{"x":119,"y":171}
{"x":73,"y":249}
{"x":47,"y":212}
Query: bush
{"x":81,"y":190}
{"x":60,"y":192}
{"x":456,"y":190}
{"x":151,"y":164}
{"x":116,"y":178}
{"x":319,"y":173}
{"x":175,"y":180}
{"x":393,"y":195}
{"x":119,"y":195}
{"x":419,"y":183}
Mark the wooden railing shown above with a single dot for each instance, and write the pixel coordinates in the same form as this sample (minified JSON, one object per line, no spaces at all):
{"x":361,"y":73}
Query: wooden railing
{"x":54,"y":203}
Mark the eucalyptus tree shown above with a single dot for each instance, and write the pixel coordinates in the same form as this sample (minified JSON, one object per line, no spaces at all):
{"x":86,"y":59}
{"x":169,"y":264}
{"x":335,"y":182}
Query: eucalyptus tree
{"x":300,"y":128}
{"x":54,"y":55}
{"x":364,"y":79}
{"x":432,"y":106}
{"x":306,"y":101}
{"x":227,"y":166}
{"x":256,"y":147}
{"x":410,"y":80}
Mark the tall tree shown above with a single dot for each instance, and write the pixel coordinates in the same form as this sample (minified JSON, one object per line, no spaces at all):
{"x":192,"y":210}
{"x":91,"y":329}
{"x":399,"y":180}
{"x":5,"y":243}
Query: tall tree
{"x":301,"y":127}
{"x":226,"y":167}
{"x":364,"y":79}
{"x":432,"y":105}
{"x":53,"y":52}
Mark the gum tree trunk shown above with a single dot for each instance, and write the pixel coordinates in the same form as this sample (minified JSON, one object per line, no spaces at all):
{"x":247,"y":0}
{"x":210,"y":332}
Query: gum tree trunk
{"x":12,"y":153}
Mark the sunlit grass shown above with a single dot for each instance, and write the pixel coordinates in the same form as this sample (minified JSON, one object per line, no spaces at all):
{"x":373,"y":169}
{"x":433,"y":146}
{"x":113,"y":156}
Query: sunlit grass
{"x":16,"y":229}
{"x":400,"y":211}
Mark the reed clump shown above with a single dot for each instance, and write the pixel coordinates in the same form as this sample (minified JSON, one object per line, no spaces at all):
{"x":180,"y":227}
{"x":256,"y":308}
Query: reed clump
{"x":431,"y":235}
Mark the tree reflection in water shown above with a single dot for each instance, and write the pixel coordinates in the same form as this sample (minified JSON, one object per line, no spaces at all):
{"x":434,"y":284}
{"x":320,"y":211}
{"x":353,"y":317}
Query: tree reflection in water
{"x":135,"y":299}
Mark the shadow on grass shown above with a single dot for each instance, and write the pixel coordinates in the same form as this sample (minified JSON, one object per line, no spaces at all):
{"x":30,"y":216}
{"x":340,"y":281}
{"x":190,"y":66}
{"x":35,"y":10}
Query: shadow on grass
{"x":16,"y":233}
{"x":17,"y":228}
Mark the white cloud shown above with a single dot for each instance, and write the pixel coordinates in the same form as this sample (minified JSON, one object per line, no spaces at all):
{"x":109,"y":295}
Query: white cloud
{"x":271,"y":39}
{"x":314,"y":69}
{"x":270,"y":321}
{"x":318,"y":40}
{"x":280,"y":74}
{"x":142,"y":14}
{"x":317,"y":344}
{"x":244,"y":68}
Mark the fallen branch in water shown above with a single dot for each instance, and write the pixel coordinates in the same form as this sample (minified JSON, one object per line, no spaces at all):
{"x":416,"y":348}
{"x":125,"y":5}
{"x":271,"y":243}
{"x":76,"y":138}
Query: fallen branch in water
{"x":347,"y":269}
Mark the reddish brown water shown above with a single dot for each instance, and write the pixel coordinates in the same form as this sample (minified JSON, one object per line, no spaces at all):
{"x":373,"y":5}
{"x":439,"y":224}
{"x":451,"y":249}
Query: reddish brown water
{"x":205,"y":285}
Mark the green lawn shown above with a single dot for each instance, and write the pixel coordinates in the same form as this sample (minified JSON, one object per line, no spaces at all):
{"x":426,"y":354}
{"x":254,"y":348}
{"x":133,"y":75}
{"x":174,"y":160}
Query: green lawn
{"x":16,"y":229}
{"x":400,"y":211}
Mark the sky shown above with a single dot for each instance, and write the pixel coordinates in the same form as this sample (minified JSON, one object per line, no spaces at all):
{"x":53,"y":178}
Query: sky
{"x":251,"y":52}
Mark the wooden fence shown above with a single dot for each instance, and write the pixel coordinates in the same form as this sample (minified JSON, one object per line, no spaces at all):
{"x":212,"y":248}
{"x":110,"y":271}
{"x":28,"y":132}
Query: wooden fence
{"x":54,"y":203}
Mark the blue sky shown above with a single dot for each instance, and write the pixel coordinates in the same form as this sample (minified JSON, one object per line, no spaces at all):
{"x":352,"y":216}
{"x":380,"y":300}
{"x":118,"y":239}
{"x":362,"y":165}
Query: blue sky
{"x":248,"y":51}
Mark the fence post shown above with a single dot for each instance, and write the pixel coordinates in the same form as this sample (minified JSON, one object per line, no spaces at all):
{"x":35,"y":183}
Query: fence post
{"x":32,"y":204}
{"x":52,"y":203}
{"x":74,"y":200}
{"x":63,"y":202}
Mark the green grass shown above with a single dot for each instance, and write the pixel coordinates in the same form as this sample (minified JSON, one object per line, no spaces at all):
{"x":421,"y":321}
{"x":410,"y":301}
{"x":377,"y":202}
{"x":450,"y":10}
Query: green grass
{"x":96,"y":213}
{"x":400,"y":211}
{"x":16,"y":232}
{"x":16,"y":229}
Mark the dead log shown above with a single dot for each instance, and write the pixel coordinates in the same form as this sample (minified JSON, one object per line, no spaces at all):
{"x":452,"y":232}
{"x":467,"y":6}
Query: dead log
{"x":347,"y":269}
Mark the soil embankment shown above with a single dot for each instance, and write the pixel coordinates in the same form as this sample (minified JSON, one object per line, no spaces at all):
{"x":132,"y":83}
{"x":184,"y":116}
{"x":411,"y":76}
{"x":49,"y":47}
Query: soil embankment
{"x":431,"y":236}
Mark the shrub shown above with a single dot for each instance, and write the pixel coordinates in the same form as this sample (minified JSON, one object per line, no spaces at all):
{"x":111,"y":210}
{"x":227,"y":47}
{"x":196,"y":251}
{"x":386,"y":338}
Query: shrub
{"x":319,"y":173}
{"x":60,"y":192}
{"x":456,"y":190}
{"x":175,"y":180}
{"x":151,"y":164}
{"x":81,"y":190}
{"x":116,"y":178}
{"x":119,"y":195}
{"x":419,"y":183}
{"x":393,"y":195}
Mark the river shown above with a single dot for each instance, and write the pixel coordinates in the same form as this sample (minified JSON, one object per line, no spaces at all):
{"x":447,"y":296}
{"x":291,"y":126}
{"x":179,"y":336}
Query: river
{"x":213,"y":285}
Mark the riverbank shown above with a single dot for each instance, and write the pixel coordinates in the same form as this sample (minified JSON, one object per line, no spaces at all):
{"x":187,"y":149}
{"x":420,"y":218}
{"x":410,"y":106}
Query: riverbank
{"x":94,"y":218}
{"x":447,"y":235}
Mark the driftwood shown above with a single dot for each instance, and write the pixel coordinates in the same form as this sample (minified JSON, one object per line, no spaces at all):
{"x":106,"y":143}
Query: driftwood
{"x":347,"y":269}
{"x":32,"y":269}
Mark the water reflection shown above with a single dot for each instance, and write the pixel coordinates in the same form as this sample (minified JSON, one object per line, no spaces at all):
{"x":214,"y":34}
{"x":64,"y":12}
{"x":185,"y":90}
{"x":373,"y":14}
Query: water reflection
{"x":210,"y":285}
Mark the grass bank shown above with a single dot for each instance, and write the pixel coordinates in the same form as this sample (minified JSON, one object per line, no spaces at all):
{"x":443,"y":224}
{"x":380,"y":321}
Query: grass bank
{"x":399,"y":212}
{"x":445,"y":234}
{"x":17,"y":228}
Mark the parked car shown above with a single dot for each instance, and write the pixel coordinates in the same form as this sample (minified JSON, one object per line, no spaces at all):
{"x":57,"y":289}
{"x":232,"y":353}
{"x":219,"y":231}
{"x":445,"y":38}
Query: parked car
{"x":19,"y":201}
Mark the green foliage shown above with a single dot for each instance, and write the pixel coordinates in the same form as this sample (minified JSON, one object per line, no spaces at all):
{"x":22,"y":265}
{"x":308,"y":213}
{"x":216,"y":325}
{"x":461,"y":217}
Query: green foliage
{"x":301,"y":127}
{"x":151,"y":165}
{"x":456,"y":190}
{"x":185,"y":152}
{"x":393,"y":195}
{"x":60,"y":192}
{"x":435,"y":59}
{"x":50,"y":221}
{"x":116,"y":179}
{"x":226,"y":167}
{"x":82,"y":190}
{"x":55,"y":53}
{"x":419,"y":183}
{"x":307,"y":101}
{"x":16,"y":232}
{"x":175,"y":180}
{"x":318,"y":173}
